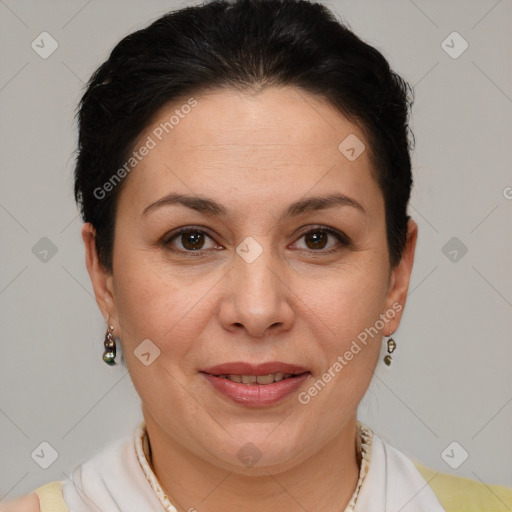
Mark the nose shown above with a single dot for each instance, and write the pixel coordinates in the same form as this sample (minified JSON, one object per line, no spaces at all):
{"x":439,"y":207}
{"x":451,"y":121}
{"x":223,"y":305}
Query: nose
{"x":257,"y":297}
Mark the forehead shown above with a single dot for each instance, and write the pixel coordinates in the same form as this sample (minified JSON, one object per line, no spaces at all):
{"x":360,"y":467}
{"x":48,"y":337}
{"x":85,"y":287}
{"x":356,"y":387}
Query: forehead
{"x":272,"y":117}
{"x":281,"y":140}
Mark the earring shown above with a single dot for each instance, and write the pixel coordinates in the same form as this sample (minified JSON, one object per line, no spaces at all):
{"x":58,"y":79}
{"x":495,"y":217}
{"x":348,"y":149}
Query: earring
{"x":110,"y":347}
{"x":391,"y":349}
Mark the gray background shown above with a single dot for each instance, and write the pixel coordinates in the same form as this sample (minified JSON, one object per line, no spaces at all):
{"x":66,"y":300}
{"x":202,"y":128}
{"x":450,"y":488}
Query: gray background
{"x":451,"y":378}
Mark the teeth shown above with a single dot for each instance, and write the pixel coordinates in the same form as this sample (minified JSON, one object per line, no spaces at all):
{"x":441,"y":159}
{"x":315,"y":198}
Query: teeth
{"x":265,"y":379}
{"x":257,"y":379}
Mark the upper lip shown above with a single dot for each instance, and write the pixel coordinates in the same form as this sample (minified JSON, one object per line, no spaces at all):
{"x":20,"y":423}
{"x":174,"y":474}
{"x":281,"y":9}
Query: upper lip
{"x":244,"y":368}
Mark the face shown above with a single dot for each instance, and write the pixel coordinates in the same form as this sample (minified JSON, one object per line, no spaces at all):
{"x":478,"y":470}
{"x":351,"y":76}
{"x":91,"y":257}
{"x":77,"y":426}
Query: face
{"x":227,"y":252}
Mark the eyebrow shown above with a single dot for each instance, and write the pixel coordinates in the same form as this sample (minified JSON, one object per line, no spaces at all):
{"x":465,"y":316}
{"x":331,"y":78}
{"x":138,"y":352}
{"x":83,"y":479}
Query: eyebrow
{"x":212,"y":207}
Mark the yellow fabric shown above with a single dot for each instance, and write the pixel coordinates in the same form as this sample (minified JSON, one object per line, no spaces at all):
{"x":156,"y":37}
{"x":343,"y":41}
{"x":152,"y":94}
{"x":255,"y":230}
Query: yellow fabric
{"x":459,"y":494}
{"x":455,"y":493}
{"x":51,"y":498}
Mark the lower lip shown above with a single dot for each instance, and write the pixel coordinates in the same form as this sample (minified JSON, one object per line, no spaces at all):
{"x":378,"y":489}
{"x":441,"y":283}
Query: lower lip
{"x":257,"y":395}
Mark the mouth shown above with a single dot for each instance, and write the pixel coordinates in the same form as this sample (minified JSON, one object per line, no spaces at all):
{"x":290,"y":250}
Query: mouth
{"x":256,"y":385}
{"x":259,"y":379}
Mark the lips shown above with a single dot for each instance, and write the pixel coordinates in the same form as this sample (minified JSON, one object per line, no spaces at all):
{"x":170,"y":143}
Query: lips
{"x":244,"y":368}
{"x":256,"y":385}
{"x":257,"y":379}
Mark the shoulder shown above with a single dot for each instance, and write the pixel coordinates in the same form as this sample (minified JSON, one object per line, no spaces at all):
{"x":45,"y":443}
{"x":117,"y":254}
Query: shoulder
{"x":460,"y":494}
{"x":47,"y":498}
{"x":28,"y":503}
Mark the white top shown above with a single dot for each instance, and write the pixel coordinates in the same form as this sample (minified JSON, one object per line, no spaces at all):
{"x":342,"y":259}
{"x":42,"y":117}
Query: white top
{"x":114,"y":480}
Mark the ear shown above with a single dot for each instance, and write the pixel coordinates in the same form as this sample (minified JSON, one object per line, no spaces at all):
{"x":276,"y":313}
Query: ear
{"x":101,"y":279}
{"x":400,"y":277}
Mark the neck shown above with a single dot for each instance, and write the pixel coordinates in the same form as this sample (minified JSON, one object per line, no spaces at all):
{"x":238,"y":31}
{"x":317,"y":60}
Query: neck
{"x":325,"y":481}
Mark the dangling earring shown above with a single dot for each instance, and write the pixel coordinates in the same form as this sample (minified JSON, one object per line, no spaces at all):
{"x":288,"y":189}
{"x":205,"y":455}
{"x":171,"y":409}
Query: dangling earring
{"x":391,"y":349}
{"x":110,"y":347}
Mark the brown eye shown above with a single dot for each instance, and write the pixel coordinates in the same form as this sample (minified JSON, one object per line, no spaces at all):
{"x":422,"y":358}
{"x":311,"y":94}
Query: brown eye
{"x":189,"y":240}
{"x":317,"y":240}
{"x":192,"y":240}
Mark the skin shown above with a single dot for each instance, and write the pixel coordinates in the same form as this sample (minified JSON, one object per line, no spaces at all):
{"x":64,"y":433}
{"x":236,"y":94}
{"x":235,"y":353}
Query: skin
{"x":254,"y":153}
{"x":28,"y":503}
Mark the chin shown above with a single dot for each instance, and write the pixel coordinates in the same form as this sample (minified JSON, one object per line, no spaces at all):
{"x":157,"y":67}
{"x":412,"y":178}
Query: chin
{"x":260,"y":451}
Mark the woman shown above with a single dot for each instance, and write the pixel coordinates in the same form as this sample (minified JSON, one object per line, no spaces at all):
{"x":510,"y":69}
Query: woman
{"x":249,"y":311}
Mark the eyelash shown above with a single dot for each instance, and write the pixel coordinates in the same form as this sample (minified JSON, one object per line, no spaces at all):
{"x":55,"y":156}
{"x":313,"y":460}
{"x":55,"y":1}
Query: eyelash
{"x":344,"y":240}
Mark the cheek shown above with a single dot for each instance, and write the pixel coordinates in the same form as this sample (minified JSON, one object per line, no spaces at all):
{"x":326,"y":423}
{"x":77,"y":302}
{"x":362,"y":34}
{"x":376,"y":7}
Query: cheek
{"x":345,"y":302}
{"x":161,"y":305}
{"x":342,"y":317}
